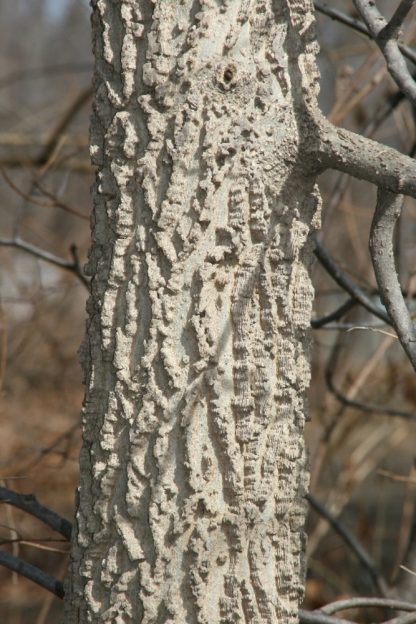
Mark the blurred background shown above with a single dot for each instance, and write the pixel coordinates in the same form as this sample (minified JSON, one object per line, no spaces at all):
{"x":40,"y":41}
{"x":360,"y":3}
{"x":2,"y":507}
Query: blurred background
{"x":363,"y":396}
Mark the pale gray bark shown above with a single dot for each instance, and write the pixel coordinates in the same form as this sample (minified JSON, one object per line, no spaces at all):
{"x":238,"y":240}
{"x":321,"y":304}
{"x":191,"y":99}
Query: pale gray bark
{"x":207,"y":142}
{"x":193,"y":466}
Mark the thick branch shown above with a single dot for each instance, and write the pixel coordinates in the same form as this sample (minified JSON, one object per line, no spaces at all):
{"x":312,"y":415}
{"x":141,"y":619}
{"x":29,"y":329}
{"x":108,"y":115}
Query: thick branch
{"x":29,"y":504}
{"x":387,"y":212}
{"x":366,"y":159}
{"x":33,"y":573}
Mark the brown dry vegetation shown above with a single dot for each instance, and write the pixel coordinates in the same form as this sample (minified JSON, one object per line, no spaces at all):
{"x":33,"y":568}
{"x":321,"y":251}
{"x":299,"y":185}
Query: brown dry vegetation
{"x":362,"y":463}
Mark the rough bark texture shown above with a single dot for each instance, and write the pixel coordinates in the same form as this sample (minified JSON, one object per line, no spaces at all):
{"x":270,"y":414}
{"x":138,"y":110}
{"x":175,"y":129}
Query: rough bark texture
{"x":191,"y":504}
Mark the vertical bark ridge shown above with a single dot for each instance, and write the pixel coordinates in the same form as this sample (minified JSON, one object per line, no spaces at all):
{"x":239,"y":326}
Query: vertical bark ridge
{"x":196,"y":357}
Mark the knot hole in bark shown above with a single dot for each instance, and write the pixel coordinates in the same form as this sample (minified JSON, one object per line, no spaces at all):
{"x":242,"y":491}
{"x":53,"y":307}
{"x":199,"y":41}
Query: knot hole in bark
{"x":229,"y":73}
{"x":227,"y":76}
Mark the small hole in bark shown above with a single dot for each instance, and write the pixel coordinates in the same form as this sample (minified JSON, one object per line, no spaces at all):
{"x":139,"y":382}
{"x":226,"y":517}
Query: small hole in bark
{"x":227,"y":76}
{"x":229,"y":73}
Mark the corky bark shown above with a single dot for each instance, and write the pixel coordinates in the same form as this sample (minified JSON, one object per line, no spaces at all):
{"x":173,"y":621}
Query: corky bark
{"x":207,"y":142}
{"x":191,"y":503}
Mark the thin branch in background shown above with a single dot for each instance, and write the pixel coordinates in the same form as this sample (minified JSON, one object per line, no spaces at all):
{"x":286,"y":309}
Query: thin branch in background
{"x":352,"y":542}
{"x":29,"y":504}
{"x":73,"y":109}
{"x":58,"y":202}
{"x":316,"y":617}
{"x":374,"y":328}
{"x":358,"y":603}
{"x":392,"y":29}
{"x":349,"y":327}
{"x":48,"y":154}
{"x":343,"y":309}
{"x":42,"y":254}
{"x":354,"y":388}
{"x":395,"y":477}
{"x":41,"y":72}
{"x":345,"y":282}
{"x":32,"y":573}
{"x":392,"y":103}
{"x":69,"y":163}
{"x":387,"y":212}
{"x":358,"y":26}
{"x":55,"y":202}
{"x":361,"y":406}
{"x":37,"y":543}
{"x":343,"y":18}
{"x":386,"y":38}
{"x":62,"y":437}
{"x":355,"y":94}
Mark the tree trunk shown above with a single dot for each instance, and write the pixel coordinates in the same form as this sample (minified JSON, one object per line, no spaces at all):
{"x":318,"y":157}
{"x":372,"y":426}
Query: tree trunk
{"x":193,"y":471}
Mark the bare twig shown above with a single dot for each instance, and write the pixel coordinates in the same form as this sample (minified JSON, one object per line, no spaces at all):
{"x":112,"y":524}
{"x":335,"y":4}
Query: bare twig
{"x":385,"y":35}
{"x":387,"y":212}
{"x":73,"y":109}
{"x":42,"y":254}
{"x":351,"y":541}
{"x":44,"y":452}
{"x":58,"y":202}
{"x":409,"y":618}
{"x":343,"y":18}
{"x":348,"y":327}
{"x":55,"y":202}
{"x":343,"y":280}
{"x":317,"y":617}
{"x":49,"y":598}
{"x":316,"y":323}
{"x":41,"y":72}
{"x":361,"y":406}
{"x":38,"y":543}
{"x":356,"y":603}
{"x":392,"y":29}
{"x":31,"y":572}
{"x":29,"y":504}
{"x":357,"y":25}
